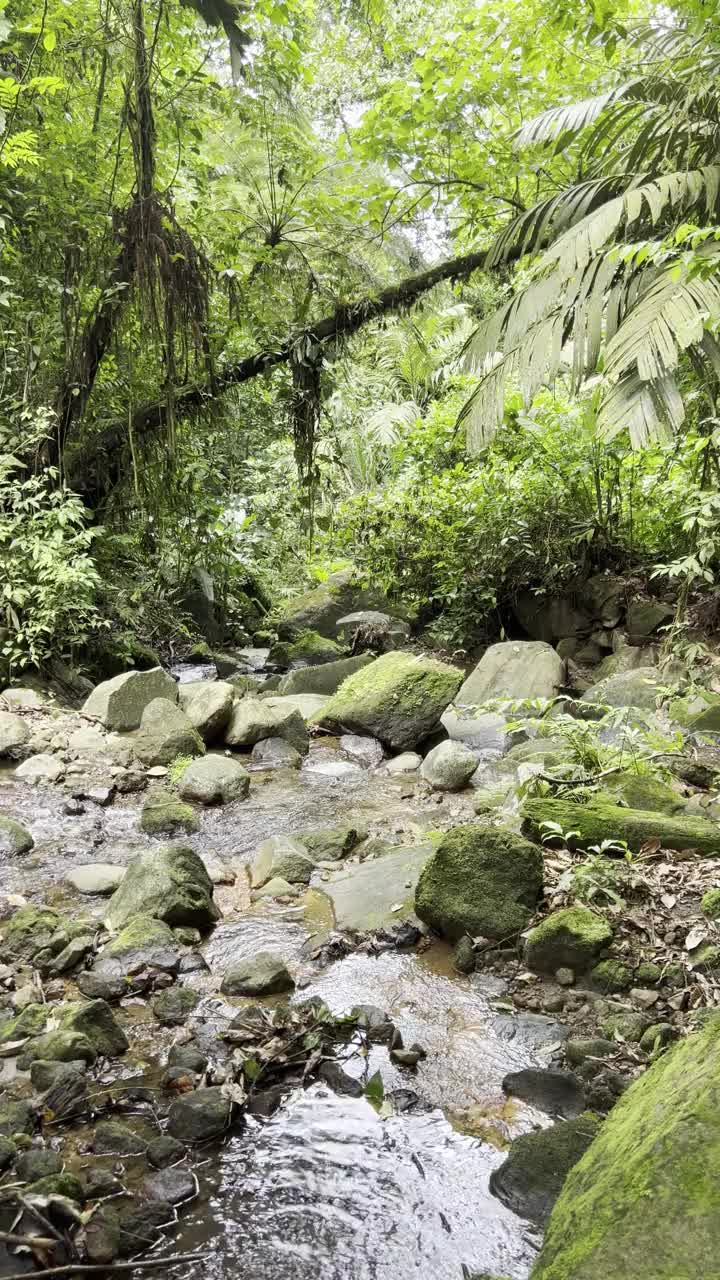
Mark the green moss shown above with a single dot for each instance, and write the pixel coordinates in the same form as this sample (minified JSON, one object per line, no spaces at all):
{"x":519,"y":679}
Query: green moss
{"x":94,"y":1020}
{"x":482,"y":881}
{"x":59,"y":1046}
{"x":599,"y":821}
{"x":710,"y":904}
{"x":139,"y":933}
{"x":642,"y":791}
{"x":308,"y":646}
{"x":14,"y":836}
{"x":697,"y":711}
{"x":163,"y":815}
{"x":531,"y":1178}
{"x":627,"y":1024}
{"x":29,"y":1023}
{"x":58,"y":1184}
{"x":28,"y":931}
{"x":647,"y":974}
{"x":573,"y":938}
{"x":642,"y":1202}
{"x":399,"y":698}
{"x":612,"y":975}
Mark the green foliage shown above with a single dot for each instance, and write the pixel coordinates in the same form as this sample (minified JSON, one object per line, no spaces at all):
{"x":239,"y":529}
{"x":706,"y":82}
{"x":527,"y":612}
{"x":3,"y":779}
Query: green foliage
{"x":49,"y":579}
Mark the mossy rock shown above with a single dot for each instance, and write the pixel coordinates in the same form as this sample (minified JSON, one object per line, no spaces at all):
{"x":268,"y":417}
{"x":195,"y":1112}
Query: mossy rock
{"x":638,"y":688}
{"x":58,"y":1046}
{"x":531,"y":1178}
{"x":58,"y":1184}
{"x":612,"y":975}
{"x":308,"y":647}
{"x":321,"y":608}
{"x":642,"y":791}
{"x":332,"y":844}
{"x":699,"y":711}
{"x":173,"y":1006}
{"x":28,"y":931}
{"x":140,"y":934}
{"x":94,"y":1019}
{"x":625,"y":1024}
{"x":162,"y":814}
{"x":572,"y":938}
{"x":642,"y":1203}
{"x":710,"y":905}
{"x":14,"y":837}
{"x":399,"y":699}
{"x":31,"y":1022}
{"x":480,"y":881}
{"x":599,"y":821}
{"x":170,"y":883}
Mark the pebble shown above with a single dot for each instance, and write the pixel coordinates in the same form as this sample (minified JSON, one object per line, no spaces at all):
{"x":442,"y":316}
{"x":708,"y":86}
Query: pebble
{"x":565,"y":977}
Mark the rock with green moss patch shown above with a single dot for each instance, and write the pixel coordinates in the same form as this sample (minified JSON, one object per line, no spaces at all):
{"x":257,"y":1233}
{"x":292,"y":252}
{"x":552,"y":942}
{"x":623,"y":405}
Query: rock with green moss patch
{"x":94,"y":1019}
{"x":638,"y":688}
{"x":332,"y":844}
{"x":165,"y":733}
{"x":324,"y":680}
{"x":657,"y":1037}
{"x":449,"y":766}
{"x":16,"y":1117}
{"x":573,"y":937}
{"x":308,"y":648}
{"x":164,"y":815}
{"x":200,"y":1115}
{"x":612,"y":975}
{"x":626,"y":658}
{"x":480,"y":881}
{"x":531,"y":1177}
{"x":259,"y":975}
{"x":398,"y":698}
{"x":214,"y":780}
{"x":59,"y":1184}
{"x":642,"y":1202}
{"x":642,"y":791}
{"x":14,"y":837}
{"x":284,"y":857}
{"x":28,"y":1023}
{"x":625,"y":1024}
{"x":171,"y":884}
{"x":173,"y":1006}
{"x":599,"y":821}
{"x":710,"y":904}
{"x":698,"y":711}
{"x":59,"y":1046}
{"x":207,"y":705}
{"x":27,"y":932}
{"x":321,"y":608}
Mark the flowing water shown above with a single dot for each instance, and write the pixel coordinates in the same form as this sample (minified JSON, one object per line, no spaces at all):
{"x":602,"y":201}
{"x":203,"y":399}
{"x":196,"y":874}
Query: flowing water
{"x":330,"y":1185}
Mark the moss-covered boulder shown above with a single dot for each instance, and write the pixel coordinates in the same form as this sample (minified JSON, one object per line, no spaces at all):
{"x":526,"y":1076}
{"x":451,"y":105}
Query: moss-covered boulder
{"x":612,"y":975}
{"x":173,"y":1006}
{"x":332,"y":844}
{"x":639,"y":688}
{"x":164,"y":815}
{"x":14,"y":837}
{"x":600,"y":820}
{"x":642,"y":1203}
{"x":94,"y":1019}
{"x":643,"y":791}
{"x":320,"y":608}
{"x":325,"y":679}
{"x":571,"y":938}
{"x":531,"y":1178}
{"x":399,"y":699}
{"x":165,"y":733}
{"x":308,"y":648}
{"x":480,"y":881}
{"x":59,"y":1046}
{"x":171,"y":884}
{"x":27,"y":932}
{"x":699,"y":711}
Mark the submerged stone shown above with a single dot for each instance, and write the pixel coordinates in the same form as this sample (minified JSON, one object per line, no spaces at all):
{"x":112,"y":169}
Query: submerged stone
{"x":283,"y":857}
{"x":14,"y":837}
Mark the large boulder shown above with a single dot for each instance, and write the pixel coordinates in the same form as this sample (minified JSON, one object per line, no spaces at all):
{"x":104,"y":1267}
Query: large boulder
{"x":399,"y":699}
{"x":642,"y":1201}
{"x":551,"y":618}
{"x":627,"y":657}
{"x":198,"y":599}
{"x":449,"y":766}
{"x":645,"y":617}
{"x":480,"y":881}
{"x":638,"y":688}
{"x":324,"y":679}
{"x":165,"y":733}
{"x":321,"y":608}
{"x":598,"y":821}
{"x":208,"y":705}
{"x":14,"y":733}
{"x":169,"y":883}
{"x":214,"y":780}
{"x":119,"y":703}
{"x":514,"y":669}
{"x":263,"y":974}
{"x":253,"y":720}
{"x":643,"y":791}
{"x":572,"y":938}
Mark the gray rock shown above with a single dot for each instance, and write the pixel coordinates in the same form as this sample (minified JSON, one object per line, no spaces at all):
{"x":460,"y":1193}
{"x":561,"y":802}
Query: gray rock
{"x":275,"y":753}
{"x":15,"y":1117}
{"x":320,"y":608}
{"x":14,"y":733}
{"x":21,"y":697}
{"x":141,"y":1227}
{"x":45,"y":1075}
{"x":259,"y":975}
{"x":14,"y":838}
{"x":281,"y":856}
{"x":207,"y":705}
{"x":118,"y":1138}
{"x":173,"y":1006}
{"x":377,"y":893}
{"x":252,"y":720}
{"x":72,"y":955}
{"x":40,"y":769}
{"x":638,"y":688}
{"x":531,"y":1178}
{"x":332,"y":844}
{"x":398,"y":698}
{"x":324,"y":679}
{"x":171,"y":1185}
{"x":514,"y":669}
{"x":96,"y":878}
{"x":367,"y":752}
{"x":38,"y":1162}
{"x":119,"y":703}
{"x":449,"y":766}
{"x":309,"y":705}
{"x":644,"y":617}
{"x":559,"y":1093}
{"x":200,"y":1115}
{"x":214,"y":780}
{"x":479,"y":730}
{"x":169,"y":883}
{"x":189,"y":1057}
{"x":406,"y":762}
{"x":165,"y":733}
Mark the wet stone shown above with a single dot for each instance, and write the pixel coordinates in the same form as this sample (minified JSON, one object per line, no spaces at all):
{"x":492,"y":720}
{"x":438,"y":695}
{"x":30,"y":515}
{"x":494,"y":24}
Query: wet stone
{"x":164,"y":1151}
{"x":171,"y":1185}
{"x":114,"y":1137}
{"x":38,"y":1162}
{"x":99,"y":1182}
{"x":8,"y":1151}
{"x":140,"y":1228}
{"x":558,"y":1093}
{"x":199,"y":1115}
{"x":173,"y":1007}
{"x":187,"y":1056}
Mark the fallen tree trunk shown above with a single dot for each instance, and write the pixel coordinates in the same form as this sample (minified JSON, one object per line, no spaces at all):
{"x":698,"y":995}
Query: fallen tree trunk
{"x":96,"y":471}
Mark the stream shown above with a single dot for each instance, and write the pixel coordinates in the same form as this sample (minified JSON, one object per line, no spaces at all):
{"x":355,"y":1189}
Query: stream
{"x":329,"y":1185}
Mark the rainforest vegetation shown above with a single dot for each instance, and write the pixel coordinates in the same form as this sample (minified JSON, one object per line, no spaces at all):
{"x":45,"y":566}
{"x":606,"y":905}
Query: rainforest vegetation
{"x":428,"y":288}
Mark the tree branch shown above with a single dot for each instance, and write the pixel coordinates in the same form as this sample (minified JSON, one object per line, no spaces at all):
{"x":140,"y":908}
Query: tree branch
{"x":97,"y":469}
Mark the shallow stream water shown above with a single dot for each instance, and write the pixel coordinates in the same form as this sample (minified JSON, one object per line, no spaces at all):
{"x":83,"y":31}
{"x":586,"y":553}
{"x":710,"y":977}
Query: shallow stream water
{"x":328,"y":1186}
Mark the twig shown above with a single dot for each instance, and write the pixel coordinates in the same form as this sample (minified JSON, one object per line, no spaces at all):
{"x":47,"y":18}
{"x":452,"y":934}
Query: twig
{"x":30,"y":1242}
{"x":108,"y":1269}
